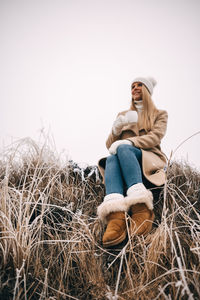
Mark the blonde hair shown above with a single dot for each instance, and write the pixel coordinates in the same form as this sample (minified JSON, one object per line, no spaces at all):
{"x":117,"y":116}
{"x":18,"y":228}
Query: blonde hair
{"x":147,"y":117}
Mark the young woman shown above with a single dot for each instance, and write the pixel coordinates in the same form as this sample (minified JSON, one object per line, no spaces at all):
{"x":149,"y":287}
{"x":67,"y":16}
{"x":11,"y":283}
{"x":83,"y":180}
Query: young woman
{"x":135,"y":160}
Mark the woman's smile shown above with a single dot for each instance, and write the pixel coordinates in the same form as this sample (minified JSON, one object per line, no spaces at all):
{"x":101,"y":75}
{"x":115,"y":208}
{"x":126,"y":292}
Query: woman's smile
{"x":137,"y":91}
{"x":137,"y":94}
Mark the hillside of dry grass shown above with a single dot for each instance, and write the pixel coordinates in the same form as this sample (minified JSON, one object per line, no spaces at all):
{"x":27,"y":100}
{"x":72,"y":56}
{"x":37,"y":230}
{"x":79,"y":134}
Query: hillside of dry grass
{"x":50,"y":237}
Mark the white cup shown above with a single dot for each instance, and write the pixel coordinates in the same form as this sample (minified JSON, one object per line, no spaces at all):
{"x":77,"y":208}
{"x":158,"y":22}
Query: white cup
{"x":131,"y":116}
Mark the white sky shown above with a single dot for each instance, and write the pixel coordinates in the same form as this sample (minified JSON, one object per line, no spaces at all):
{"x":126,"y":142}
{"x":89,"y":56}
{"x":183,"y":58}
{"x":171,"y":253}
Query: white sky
{"x":66,"y":67}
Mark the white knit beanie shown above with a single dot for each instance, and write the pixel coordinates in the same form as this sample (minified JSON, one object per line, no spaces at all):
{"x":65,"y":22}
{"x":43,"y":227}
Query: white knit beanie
{"x":149,"y":82}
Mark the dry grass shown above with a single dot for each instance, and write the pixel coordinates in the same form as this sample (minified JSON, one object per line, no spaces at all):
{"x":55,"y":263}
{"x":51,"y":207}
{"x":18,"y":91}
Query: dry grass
{"x":50,"y":237}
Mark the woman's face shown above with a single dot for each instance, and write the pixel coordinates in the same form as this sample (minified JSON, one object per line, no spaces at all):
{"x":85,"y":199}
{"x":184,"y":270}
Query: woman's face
{"x":136,"y":90}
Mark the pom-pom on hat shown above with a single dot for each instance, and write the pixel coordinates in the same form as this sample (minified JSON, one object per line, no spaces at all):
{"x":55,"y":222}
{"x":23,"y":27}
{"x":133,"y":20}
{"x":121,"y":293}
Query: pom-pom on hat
{"x":149,"y":82}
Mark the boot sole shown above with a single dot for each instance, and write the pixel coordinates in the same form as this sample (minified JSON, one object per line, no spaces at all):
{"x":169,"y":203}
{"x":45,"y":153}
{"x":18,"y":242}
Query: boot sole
{"x":117,"y":241}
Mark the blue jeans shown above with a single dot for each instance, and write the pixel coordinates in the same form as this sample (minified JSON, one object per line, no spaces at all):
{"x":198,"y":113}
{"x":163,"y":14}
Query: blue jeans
{"x":123,"y":169}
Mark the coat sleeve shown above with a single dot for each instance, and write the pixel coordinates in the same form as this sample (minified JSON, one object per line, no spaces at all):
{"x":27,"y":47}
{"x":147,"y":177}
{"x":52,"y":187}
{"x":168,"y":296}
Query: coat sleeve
{"x":111,"y":139}
{"x":153,"y":137}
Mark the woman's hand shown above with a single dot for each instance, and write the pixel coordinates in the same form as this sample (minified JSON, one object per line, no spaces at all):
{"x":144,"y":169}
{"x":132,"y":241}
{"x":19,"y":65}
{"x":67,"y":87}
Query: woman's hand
{"x":115,"y":145}
{"x":118,"y":125}
{"x":129,"y":118}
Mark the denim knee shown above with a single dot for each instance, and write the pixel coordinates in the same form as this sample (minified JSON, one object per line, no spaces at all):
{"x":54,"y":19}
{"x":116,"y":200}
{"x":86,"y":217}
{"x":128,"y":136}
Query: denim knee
{"x":123,"y":149}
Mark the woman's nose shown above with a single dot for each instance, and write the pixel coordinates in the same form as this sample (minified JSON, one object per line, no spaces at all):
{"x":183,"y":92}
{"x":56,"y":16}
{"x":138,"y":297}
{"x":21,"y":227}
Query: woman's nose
{"x":135,"y":88}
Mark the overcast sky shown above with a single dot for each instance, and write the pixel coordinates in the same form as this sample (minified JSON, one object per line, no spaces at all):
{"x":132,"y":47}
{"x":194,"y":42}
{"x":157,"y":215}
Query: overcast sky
{"x":66,"y":67}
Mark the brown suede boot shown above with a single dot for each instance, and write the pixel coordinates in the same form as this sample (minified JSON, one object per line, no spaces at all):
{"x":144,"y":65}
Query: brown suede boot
{"x":141,"y":219}
{"x":116,"y":229}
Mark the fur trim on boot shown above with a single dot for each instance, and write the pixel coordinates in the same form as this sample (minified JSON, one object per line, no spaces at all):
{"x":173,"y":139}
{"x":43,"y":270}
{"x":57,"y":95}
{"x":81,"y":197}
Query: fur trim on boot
{"x":138,"y":193}
{"x":112,"y":203}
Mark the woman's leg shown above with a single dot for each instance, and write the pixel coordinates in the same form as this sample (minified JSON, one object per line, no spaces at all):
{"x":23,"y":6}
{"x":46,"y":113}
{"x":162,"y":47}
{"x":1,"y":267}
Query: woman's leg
{"x":113,"y":176}
{"x":130,"y":159}
{"x":113,"y":208}
{"x":139,"y":199}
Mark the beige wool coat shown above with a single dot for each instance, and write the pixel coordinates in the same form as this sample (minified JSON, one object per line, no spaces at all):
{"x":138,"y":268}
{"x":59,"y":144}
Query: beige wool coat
{"x":153,"y":159}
